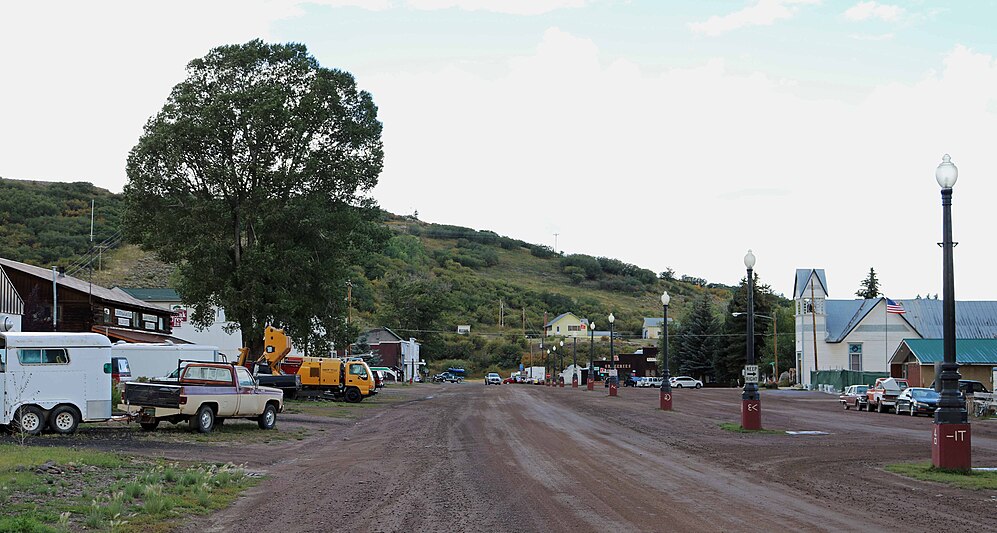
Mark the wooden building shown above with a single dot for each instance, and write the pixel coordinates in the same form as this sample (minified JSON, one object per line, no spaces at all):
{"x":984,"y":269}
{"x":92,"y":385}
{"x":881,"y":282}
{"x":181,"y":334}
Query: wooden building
{"x":80,"y":306}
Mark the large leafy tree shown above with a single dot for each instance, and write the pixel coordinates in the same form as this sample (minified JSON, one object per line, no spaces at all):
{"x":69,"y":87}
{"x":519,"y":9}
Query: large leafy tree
{"x":732,"y":358}
{"x":870,"y":286}
{"x":253,"y":179}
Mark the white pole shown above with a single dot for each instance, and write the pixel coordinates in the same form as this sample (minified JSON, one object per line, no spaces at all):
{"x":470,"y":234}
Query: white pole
{"x":55,"y":298}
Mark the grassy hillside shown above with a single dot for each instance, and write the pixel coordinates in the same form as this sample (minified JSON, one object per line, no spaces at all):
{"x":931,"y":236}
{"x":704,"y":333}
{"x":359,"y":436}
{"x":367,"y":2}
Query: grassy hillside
{"x":427,"y":280}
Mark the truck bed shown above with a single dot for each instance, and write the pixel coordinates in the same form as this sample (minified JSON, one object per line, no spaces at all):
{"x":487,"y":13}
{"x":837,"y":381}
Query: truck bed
{"x":152,"y":394}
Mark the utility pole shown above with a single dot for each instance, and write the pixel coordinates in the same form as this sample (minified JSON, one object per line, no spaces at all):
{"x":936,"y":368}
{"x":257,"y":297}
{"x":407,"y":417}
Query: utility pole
{"x":555,"y":242}
{"x":501,"y":314}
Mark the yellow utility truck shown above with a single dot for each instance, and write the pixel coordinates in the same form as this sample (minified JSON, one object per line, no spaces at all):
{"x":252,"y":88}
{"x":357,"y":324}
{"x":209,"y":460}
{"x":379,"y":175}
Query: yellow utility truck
{"x":342,"y":378}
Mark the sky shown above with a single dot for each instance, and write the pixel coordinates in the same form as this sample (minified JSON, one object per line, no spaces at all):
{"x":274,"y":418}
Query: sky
{"x":673,"y":134}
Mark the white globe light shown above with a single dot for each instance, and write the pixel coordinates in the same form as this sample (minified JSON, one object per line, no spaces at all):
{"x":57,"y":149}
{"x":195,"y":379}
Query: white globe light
{"x":611,"y":318}
{"x":665,"y":298}
{"x":749,"y":259}
{"x":592,"y":326}
{"x":562,"y":344}
{"x":946,"y":174}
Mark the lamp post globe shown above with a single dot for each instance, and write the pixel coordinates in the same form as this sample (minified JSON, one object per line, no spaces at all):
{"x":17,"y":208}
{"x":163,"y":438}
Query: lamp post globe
{"x":950,"y":443}
{"x":613,"y":378}
{"x":591,"y":376}
{"x":665,"y":395}
{"x":751,"y":406}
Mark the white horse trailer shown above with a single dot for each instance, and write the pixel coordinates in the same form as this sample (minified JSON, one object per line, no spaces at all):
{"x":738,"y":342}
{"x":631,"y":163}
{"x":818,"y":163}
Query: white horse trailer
{"x":155,"y":360}
{"x":54,"y":379}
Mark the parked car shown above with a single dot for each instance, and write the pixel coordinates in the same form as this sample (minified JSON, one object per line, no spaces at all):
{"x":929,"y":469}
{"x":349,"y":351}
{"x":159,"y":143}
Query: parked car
{"x":967,"y":386}
{"x":447,"y":377}
{"x":855,"y":396}
{"x":682,"y":382}
{"x":883,"y":395}
{"x":917,"y":400}
{"x":632,"y":381}
{"x":493,"y":379}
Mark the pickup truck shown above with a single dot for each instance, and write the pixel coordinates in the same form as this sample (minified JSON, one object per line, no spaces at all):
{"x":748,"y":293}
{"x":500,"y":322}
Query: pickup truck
{"x":883,"y":395}
{"x":203,"y":394}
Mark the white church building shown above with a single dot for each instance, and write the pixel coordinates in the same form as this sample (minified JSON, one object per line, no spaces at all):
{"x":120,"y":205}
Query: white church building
{"x":861,"y":335}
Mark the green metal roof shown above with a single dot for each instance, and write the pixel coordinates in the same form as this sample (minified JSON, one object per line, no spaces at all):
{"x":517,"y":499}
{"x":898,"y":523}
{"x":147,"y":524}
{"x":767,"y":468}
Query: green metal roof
{"x":152,"y":294}
{"x":967,"y":351}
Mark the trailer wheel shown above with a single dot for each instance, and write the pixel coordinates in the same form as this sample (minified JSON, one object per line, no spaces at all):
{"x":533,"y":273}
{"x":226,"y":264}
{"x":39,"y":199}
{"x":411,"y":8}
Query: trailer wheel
{"x":204,"y":420}
{"x":269,"y":417}
{"x":64,"y":420}
{"x":30,"y":420}
{"x":353,"y":395}
{"x":150,"y":425}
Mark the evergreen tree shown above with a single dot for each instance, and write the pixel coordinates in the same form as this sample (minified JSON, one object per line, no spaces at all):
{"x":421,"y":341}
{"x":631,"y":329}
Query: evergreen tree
{"x":697,"y":340}
{"x":870,"y":286}
{"x":731,"y":358}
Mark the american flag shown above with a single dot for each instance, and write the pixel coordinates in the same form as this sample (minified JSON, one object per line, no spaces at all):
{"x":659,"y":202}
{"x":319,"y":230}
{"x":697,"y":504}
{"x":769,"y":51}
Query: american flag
{"x":894,"y":307}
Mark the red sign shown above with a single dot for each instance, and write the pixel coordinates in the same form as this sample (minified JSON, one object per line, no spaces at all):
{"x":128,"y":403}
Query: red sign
{"x":179,"y":316}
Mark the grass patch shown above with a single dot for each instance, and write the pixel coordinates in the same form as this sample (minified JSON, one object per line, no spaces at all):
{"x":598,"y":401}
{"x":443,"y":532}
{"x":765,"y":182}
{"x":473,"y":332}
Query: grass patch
{"x":924,"y":471}
{"x":57,"y":489}
{"x":736,"y":428}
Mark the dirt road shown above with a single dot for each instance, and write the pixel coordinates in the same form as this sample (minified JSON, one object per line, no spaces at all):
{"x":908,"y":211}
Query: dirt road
{"x":466,"y":457}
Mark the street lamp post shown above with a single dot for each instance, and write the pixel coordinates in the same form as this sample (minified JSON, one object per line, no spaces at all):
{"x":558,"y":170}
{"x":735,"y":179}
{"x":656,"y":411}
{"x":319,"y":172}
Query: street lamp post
{"x":666,"y":385}
{"x":553,"y":366}
{"x":950,"y":443}
{"x":775,"y":334}
{"x":591,"y":379}
{"x":751,"y":404}
{"x":665,"y":394}
{"x":613,"y":383}
{"x":574,"y":362}
{"x":560,"y":374}
{"x":547,"y":371}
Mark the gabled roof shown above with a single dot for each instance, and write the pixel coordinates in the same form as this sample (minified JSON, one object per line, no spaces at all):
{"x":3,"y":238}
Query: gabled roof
{"x":562,"y":315}
{"x":967,"y":351}
{"x":69,"y":282}
{"x":844,"y":315}
{"x":803,"y":276}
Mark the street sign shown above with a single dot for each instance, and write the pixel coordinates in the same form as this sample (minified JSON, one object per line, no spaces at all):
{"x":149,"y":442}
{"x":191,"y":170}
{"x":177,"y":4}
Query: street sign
{"x":751,"y":373}
{"x":613,"y":372}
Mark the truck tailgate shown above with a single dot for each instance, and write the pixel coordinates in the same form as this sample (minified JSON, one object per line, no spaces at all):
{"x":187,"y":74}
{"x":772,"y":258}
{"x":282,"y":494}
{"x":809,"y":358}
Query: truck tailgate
{"x":152,"y":395}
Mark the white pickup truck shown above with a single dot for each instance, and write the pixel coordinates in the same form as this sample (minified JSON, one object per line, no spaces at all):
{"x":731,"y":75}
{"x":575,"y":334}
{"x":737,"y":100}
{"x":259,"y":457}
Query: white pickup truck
{"x":205,"y":394}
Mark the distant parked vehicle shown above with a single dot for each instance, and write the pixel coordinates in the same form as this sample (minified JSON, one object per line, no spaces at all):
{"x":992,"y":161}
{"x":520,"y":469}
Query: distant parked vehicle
{"x":493,"y":379}
{"x":917,"y":400}
{"x":854,"y":396}
{"x":967,"y":386}
{"x":682,"y":382}
{"x":883,"y":394}
{"x":447,"y":377}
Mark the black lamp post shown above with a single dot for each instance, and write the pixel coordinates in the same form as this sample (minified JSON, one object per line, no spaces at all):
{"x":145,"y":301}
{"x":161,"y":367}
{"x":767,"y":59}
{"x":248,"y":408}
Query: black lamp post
{"x":751,"y":405}
{"x":553,"y":366}
{"x":574,"y":362}
{"x":666,"y":385}
{"x":560,"y":371}
{"x":591,"y":380}
{"x":613,"y":378}
{"x":950,"y":443}
{"x":547,"y":372}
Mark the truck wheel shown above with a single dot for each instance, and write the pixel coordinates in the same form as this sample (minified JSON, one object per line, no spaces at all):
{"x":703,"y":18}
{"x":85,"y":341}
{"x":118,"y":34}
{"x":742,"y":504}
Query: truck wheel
{"x":269,"y":417}
{"x":64,"y":420}
{"x":150,"y":426}
{"x":353,"y":395}
{"x":204,"y":420}
{"x":30,"y":420}
{"x":879,"y":407}
{"x":845,"y":404}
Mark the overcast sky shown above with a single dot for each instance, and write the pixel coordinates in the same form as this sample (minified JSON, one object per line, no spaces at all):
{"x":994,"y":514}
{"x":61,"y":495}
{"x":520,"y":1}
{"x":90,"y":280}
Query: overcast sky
{"x":666,"y":134}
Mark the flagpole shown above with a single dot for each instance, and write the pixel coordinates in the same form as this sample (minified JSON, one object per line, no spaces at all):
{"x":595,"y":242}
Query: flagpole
{"x":886,"y":332}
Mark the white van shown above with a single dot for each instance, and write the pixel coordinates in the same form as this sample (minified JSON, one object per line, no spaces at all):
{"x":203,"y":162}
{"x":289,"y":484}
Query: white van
{"x":155,"y":360}
{"x":54,"y":379}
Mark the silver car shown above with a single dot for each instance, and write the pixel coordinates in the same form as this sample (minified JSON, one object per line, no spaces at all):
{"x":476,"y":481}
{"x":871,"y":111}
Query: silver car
{"x":493,"y":379}
{"x":683,"y":382}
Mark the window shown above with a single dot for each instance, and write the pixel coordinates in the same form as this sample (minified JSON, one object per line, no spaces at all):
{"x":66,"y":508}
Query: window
{"x":855,"y":356}
{"x":208,"y":373}
{"x":43,"y":356}
{"x":358,"y":370}
{"x":574,"y":328}
{"x":245,"y":378}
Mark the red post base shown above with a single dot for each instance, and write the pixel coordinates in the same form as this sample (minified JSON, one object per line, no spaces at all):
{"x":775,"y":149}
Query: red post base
{"x":591,"y":384}
{"x":666,"y":401}
{"x":562,"y":383}
{"x":950,"y":447}
{"x":574,"y":383}
{"x":612,"y":389}
{"x":751,"y":414}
